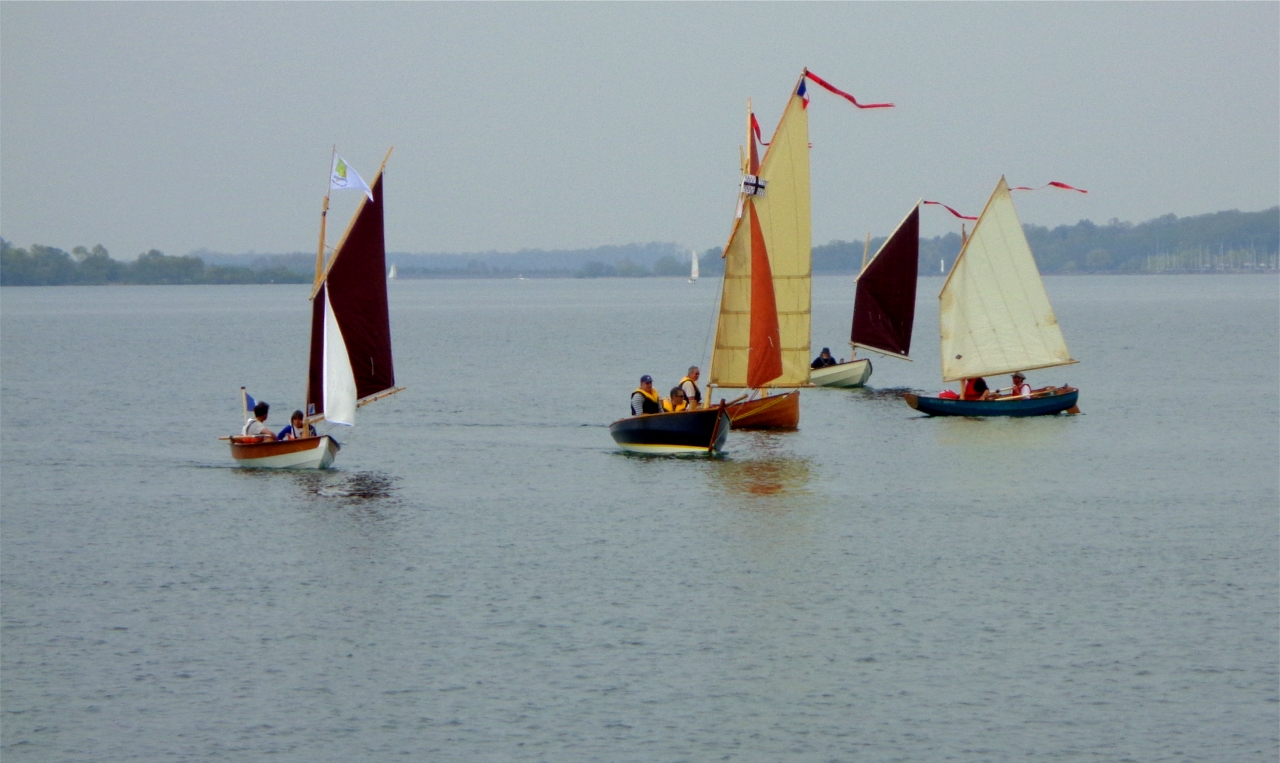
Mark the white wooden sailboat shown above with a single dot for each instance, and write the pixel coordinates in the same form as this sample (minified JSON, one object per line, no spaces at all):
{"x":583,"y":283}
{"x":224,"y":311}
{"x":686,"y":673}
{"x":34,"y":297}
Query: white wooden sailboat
{"x":995,"y":318}
{"x":693,"y":270}
{"x":350,"y":361}
{"x":884,"y":305}
{"x":762,"y":334}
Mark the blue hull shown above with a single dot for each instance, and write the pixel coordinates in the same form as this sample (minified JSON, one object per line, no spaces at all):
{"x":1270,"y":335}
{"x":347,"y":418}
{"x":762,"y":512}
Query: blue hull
{"x":1036,"y":406}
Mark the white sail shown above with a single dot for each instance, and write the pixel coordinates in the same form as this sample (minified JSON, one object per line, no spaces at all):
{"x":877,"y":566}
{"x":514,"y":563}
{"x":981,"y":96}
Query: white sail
{"x":693,"y":272}
{"x":391,"y":274}
{"x":339,"y":381}
{"x":994,"y":313}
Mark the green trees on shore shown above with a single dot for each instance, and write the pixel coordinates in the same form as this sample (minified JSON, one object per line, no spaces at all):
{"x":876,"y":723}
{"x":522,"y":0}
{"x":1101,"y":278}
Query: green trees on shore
{"x":1218,"y":242}
{"x":47,"y":266}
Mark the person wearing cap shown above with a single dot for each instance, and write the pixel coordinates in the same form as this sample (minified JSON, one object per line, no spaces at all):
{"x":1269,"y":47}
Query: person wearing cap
{"x":1020,"y":387}
{"x":256,"y":425}
{"x":824,"y":359}
{"x":645,"y":399}
{"x":689,"y":384}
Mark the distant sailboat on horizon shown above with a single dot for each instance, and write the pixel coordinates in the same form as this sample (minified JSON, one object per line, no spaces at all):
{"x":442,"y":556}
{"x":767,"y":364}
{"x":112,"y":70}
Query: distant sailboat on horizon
{"x":693,"y":272}
{"x":391,"y":274}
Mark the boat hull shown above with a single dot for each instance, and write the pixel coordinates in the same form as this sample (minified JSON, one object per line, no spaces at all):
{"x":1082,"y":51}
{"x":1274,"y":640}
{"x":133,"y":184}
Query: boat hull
{"x":698,"y":432}
{"x":844,"y":375}
{"x":1048,"y":405}
{"x":772,"y":412}
{"x":305,"y":453}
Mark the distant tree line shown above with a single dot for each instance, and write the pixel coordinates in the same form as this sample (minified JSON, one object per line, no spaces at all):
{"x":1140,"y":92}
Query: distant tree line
{"x":1221,"y":241}
{"x":47,"y":266}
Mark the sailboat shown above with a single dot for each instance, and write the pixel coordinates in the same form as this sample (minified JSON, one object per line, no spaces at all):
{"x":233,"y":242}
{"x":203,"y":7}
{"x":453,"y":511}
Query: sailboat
{"x":391,"y":274}
{"x":693,"y":270}
{"x":698,"y":431}
{"x":762,"y":333}
{"x":884,"y":305}
{"x":995,"y":318}
{"x":350,"y":362}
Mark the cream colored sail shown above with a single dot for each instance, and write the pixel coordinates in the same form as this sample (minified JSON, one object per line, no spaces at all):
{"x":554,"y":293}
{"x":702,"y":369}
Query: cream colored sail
{"x":995,"y":315}
{"x":733,"y":327}
{"x":783,"y":212}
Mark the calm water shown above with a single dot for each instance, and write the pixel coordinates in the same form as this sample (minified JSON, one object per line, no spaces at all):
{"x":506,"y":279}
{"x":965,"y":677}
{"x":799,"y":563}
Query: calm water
{"x":484,"y":576}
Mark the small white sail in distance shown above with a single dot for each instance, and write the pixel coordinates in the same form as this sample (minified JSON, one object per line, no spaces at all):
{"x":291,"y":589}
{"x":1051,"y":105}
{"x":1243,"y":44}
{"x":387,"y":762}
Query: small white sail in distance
{"x":693,"y":272}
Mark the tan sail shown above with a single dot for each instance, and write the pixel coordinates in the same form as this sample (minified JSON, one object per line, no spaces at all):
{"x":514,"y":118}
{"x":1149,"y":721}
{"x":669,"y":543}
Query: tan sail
{"x":783,"y":215}
{"x":994,"y":313}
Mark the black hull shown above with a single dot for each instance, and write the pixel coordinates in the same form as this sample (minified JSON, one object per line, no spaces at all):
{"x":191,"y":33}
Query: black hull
{"x":690,"y":432}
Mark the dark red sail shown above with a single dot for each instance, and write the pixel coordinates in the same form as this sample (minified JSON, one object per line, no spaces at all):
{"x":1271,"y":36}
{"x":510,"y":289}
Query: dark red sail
{"x":356,"y":290}
{"x":885,"y":305}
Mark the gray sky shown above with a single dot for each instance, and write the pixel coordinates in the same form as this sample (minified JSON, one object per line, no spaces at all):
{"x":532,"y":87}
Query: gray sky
{"x":177,"y":126}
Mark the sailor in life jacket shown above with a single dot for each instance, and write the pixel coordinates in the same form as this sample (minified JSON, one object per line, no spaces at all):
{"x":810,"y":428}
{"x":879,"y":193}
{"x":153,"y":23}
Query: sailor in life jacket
{"x":645,"y":399}
{"x":677,"y":402}
{"x":1020,"y":387}
{"x":974,"y":389}
{"x":689,"y":384}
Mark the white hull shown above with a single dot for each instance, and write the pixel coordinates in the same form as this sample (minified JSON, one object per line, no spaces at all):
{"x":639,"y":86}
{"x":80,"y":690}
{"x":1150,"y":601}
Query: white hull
{"x":852,"y":374}
{"x":320,"y":456}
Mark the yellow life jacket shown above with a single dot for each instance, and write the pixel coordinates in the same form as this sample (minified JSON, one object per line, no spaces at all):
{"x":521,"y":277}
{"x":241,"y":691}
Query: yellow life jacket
{"x":697,"y":393}
{"x":669,"y":408}
{"x":651,"y":404}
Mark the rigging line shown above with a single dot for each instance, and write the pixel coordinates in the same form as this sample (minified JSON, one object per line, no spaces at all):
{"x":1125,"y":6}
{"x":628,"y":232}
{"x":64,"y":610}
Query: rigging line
{"x":715,"y":315}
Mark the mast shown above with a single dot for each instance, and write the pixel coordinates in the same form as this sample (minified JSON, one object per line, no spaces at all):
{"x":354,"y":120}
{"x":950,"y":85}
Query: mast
{"x":994,"y":314}
{"x":777,"y":201}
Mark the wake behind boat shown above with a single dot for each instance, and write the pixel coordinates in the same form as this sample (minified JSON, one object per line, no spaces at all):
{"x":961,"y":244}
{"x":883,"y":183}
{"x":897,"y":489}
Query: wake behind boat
{"x":350,"y":363}
{"x":995,"y":318}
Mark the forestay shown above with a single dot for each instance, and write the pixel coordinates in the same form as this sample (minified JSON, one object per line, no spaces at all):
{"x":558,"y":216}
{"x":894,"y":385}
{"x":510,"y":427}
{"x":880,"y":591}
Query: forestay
{"x":994,"y":313}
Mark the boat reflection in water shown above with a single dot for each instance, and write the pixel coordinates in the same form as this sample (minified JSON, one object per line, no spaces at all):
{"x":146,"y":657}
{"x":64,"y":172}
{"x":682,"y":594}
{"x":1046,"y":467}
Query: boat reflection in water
{"x":766,"y":475}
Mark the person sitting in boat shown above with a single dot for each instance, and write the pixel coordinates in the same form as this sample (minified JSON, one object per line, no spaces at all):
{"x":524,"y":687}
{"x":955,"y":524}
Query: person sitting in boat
{"x":256,"y":425}
{"x":296,"y":430}
{"x":645,"y":399}
{"x":677,"y":402}
{"x":975,"y":389}
{"x":1020,"y":387}
{"x":689,"y":384}
{"x":824,"y":359}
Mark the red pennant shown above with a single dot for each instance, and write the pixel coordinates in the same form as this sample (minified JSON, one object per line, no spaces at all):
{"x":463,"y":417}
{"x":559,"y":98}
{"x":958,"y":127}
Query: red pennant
{"x":952,"y":211}
{"x":810,"y":75}
{"x":1053,"y":183}
{"x":755,"y":126}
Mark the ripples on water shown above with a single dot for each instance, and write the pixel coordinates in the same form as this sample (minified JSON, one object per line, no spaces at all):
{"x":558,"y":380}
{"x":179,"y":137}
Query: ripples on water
{"x":484,"y":576}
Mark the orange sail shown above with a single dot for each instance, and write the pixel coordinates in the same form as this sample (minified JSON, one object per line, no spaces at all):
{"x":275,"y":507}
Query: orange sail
{"x":764,"y":359}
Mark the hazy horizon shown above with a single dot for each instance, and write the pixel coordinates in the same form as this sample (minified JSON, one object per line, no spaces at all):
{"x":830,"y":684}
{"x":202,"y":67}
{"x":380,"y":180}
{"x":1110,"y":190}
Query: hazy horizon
{"x":182,"y":127}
